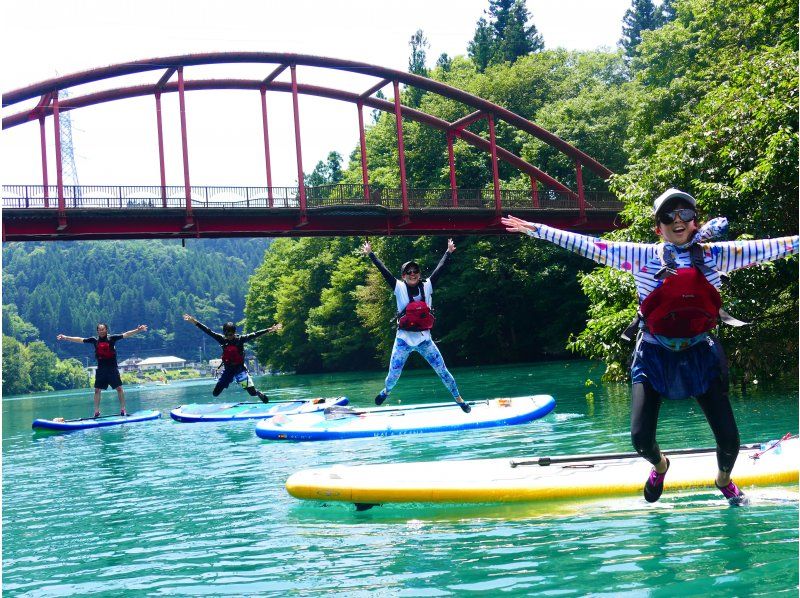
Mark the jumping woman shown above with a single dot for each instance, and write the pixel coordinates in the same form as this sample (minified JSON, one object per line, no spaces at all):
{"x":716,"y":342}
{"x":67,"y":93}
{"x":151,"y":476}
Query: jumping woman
{"x":234,"y":368}
{"x":414,"y":297}
{"x":676,"y":356}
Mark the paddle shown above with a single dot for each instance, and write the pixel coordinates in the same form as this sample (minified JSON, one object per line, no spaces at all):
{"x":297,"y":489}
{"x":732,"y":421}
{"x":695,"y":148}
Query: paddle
{"x":86,"y":419}
{"x":545,"y":461}
{"x":271,"y":402}
{"x":342,"y":411}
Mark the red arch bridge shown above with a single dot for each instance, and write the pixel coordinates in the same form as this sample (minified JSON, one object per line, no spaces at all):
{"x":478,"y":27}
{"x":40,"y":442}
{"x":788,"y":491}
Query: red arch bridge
{"x":66,"y":212}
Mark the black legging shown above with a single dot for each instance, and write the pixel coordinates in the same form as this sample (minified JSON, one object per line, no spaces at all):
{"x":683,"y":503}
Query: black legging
{"x":646,"y":403}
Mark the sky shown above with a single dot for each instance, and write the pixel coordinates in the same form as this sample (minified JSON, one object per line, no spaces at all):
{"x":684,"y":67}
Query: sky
{"x":116,"y":143}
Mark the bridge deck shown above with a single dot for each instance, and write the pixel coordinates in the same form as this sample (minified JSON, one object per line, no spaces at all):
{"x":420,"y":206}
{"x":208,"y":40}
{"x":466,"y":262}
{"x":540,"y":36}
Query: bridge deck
{"x":130,"y":213}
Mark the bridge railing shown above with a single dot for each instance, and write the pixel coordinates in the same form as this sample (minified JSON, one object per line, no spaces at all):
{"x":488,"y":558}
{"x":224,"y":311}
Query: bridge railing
{"x":135,"y":197}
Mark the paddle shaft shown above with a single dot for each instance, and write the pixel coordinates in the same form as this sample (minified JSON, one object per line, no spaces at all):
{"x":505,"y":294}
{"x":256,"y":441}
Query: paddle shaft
{"x":545,"y":461}
{"x":341,"y":409}
{"x":271,"y":402}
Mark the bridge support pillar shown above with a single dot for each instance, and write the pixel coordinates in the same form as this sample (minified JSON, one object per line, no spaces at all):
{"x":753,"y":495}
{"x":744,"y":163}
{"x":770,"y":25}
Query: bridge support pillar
{"x":452,"y":162}
{"x":270,"y":198}
{"x":495,"y":172}
{"x":363,"y":142}
{"x":401,"y":152}
{"x":581,"y":197}
{"x":300,"y":182}
{"x":43,"y":139}
{"x":185,"y":145}
{"x":535,"y":192}
{"x":162,"y":169}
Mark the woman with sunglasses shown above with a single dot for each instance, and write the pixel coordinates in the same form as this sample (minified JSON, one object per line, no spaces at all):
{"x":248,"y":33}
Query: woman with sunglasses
{"x":414,"y":297}
{"x":233,"y":362}
{"x":676,"y":356}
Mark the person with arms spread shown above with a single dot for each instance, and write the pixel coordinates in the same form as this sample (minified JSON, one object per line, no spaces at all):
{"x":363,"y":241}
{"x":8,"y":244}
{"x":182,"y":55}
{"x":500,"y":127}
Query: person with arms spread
{"x":234,"y":368}
{"x":676,"y":356}
{"x":107,"y":370}
{"x":414,"y":297}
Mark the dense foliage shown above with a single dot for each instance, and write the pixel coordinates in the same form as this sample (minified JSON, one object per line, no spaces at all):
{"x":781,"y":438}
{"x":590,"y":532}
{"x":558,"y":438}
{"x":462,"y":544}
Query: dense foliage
{"x":52,"y":288}
{"x":716,"y":114}
{"x":708,"y":103}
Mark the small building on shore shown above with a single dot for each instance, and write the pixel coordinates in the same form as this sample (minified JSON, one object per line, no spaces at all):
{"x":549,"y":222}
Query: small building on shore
{"x":169,"y":362}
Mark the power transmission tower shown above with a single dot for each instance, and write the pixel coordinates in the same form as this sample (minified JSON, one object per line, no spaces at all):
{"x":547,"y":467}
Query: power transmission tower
{"x":70,"y":172}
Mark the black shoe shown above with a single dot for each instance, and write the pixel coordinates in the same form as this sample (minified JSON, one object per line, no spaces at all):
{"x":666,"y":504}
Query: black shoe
{"x":264,"y":398}
{"x":464,"y":406}
{"x":654,"y":485}
{"x":381,"y":397}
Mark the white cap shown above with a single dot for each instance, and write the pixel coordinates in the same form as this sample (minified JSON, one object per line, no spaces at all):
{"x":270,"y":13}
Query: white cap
{"x":672,"y":194}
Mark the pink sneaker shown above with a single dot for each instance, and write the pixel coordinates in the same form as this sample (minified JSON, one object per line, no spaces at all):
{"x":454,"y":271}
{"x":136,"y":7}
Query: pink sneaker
{"x":736,"y":497}
{"x":654,"y":485}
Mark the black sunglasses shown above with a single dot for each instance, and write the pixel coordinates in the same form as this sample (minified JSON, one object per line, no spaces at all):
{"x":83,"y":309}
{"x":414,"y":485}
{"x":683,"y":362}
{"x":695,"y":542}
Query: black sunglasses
{"x":412,"y":271}
{"x":685,"y":214}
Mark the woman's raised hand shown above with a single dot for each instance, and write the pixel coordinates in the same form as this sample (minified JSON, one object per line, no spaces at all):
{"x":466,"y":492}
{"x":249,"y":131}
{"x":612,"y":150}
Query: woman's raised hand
{"x":517,"y":225}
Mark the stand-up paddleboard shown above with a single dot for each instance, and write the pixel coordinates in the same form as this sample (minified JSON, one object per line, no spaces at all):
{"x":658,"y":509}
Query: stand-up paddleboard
{"x":538,"y":478}
{"x":69,"y":425}
{"x":218,"y":412}
{"x":337,"y":423}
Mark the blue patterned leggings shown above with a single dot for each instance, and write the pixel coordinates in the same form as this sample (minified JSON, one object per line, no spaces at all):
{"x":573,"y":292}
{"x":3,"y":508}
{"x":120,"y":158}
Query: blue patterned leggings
{"x":430,"y":352}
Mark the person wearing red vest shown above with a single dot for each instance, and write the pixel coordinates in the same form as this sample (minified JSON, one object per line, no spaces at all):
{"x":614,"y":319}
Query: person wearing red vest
{"x":106,"y":354}
{"x":413,"y":296}
{"x":676,"y":356}
{"x":233,"y":362}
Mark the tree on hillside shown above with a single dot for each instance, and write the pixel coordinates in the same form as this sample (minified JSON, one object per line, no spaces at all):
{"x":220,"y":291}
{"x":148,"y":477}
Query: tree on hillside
{"x":641,"y":16}
{"x":505,"y":37}
{"x":416,"y":65}
{"x":480,"y":49}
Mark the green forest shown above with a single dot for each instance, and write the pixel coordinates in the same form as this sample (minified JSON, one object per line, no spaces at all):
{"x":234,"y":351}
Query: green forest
{"x":63,"y":287}
{"x":699,"y":95}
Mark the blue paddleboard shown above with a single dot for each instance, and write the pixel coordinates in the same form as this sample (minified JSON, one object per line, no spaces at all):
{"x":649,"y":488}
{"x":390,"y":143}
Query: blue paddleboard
{"x":69,"y":425}
{"x":218,"y":412}
{"x":344,"y":422}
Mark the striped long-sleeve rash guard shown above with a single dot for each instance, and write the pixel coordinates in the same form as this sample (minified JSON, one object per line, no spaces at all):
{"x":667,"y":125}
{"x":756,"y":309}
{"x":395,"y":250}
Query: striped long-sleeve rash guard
{"x":642,"y":259}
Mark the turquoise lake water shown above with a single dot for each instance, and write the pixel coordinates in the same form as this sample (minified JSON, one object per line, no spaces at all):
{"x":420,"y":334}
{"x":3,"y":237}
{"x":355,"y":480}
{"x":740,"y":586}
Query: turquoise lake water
{"x":163,"y":508}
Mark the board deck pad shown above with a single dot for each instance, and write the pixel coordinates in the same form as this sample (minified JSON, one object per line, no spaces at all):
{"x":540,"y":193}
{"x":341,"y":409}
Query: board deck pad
{"x":416,"y":419}
{"x":62,"y":425}
{"x":214,"y":412}
{"x":499,"y":480}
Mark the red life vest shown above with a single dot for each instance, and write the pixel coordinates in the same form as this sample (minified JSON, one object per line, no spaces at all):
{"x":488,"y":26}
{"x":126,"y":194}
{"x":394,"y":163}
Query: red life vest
{"x":684,"y":306}
{"x":417,"y":315}
{"x":232,"y":355}
{"x":104,"y":349}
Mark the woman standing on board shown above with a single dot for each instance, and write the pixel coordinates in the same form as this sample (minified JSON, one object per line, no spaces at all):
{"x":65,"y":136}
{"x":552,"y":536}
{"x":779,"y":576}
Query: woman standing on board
{"x":414,"y":297}
{"x":679,"y":304}
{"x":107,"y":373}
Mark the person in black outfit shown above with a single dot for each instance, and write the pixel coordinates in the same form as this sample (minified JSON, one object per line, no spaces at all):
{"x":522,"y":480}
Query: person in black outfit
{"x":233,"y":355}
{"x":107,"y":371}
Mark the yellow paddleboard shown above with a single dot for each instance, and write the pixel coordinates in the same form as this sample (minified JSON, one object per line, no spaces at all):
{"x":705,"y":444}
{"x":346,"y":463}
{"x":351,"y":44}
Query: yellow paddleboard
{"x":537,"y":478}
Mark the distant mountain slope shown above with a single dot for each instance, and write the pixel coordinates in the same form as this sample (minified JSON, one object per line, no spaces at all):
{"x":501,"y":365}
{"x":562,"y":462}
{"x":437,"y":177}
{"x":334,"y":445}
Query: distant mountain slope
{"x":68,"y":287}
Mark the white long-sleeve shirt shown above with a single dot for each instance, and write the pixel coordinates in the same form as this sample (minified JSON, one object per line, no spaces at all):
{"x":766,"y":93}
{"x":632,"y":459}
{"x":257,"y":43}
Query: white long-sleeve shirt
{"x":642,"y":259}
